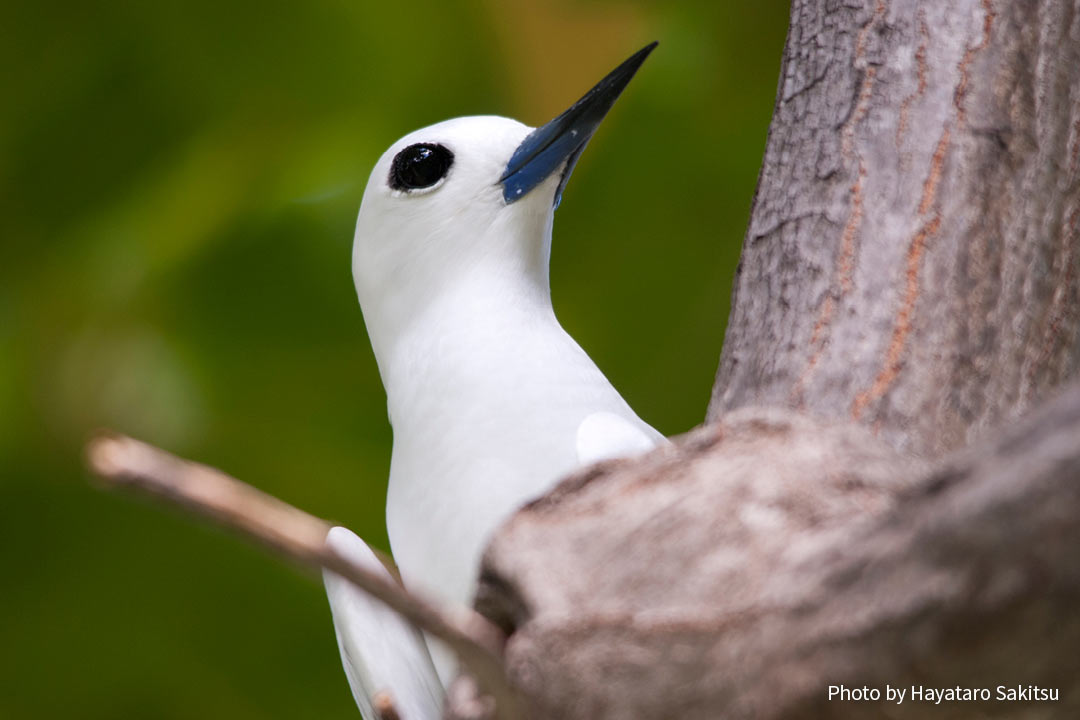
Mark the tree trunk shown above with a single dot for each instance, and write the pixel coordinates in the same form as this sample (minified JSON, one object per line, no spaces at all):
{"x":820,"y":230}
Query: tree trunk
{"x":887,"y":489}
{"x":911,"y":260}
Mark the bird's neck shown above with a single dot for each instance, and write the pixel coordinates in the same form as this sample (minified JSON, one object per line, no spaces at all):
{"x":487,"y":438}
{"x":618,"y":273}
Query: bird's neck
{"x":478,"y":333}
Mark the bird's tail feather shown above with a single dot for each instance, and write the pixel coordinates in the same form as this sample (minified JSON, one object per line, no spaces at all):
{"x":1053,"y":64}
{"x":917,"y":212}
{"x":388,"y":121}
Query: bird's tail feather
{"x":385,"y":657}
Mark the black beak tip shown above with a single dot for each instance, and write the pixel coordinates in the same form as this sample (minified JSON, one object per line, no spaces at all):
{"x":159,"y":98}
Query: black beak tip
{"x":640,"y":55}
{"x":626,"y":71}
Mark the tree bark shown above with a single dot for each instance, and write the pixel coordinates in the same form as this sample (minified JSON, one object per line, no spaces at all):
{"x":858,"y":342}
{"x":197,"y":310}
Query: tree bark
{"x":768,"y":556}
{"x":911,"y":260}
{"x":887,"y":488}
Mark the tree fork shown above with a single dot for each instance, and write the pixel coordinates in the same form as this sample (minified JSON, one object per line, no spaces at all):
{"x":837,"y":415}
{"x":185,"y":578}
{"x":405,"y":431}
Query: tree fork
{"x":887,"y":487}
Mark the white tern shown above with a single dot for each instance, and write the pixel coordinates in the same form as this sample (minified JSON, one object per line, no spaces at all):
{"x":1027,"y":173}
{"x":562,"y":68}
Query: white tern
{"x":490,"y":400}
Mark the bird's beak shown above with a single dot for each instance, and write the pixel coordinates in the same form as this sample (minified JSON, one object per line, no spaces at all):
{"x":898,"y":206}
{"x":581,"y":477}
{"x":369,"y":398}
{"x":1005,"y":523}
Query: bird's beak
{"x":561,"y":141}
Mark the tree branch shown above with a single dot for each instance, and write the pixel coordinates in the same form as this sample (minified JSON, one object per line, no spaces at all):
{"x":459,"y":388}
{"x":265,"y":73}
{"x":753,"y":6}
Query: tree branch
{"x":128,"y":463}
{"x":771,"y":555}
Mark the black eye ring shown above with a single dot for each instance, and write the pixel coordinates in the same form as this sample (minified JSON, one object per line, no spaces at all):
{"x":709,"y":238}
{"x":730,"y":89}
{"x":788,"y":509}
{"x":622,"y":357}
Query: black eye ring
{"x":420,"y":166}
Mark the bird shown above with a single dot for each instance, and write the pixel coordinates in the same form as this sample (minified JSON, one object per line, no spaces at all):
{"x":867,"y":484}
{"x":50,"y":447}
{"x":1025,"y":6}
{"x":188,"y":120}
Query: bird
{"x":490,"y":400}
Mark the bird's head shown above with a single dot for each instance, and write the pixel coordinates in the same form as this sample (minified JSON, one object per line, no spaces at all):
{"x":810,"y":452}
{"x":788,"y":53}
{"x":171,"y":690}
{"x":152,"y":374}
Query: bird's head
{"x":469,"y":200}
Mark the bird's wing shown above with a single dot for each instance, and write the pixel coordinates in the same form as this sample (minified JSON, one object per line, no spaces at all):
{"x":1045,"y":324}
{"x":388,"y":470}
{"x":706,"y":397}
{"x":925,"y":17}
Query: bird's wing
{"x":605,"y":435}
{"x":381,"y":652}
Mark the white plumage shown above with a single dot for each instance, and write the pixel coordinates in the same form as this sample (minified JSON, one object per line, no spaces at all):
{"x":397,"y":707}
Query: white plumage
{"x":490,"y":400}
{"x":380,"y":651}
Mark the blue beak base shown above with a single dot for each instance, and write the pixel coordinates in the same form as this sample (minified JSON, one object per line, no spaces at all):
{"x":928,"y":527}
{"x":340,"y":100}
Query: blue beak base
{"x":561,"y":141}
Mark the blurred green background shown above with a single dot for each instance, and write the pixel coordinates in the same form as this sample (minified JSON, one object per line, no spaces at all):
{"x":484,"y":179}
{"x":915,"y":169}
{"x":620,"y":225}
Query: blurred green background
{"x":179,"y":183}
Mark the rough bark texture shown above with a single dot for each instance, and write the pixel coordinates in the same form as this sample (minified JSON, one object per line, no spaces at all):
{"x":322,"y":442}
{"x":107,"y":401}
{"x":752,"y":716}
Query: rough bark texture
{"x":741,"y":573}
{"x":912,"y":258}
{"x":888,"y":488}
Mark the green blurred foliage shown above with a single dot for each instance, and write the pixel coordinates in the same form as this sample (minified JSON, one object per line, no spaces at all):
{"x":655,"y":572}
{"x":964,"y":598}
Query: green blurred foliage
{"x":178,"y":187}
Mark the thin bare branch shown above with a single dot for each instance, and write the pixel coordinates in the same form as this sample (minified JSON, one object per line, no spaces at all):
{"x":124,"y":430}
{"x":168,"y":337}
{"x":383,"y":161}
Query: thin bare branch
{"x":128,"y":463}
{"x":384,"y":706}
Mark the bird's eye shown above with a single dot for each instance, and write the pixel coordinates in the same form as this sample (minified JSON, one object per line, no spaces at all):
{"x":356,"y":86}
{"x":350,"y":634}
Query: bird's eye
{"x":420,"y":166}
